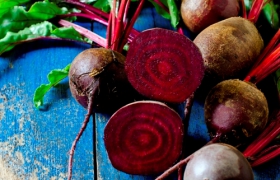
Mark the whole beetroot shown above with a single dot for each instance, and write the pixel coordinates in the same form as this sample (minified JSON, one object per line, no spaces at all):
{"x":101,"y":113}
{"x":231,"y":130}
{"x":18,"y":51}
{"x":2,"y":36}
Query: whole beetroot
{"x":199,"y":14}
{"x":229,"y":47}
{"x":218,"y":162}
{"x":99,"y":72}
{"x":235,"y":111}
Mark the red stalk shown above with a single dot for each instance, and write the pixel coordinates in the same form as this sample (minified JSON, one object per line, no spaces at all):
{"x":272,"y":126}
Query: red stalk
{"x":83,"y":31}
{"x":255,"y":10}
{"x":129,"y":25}
{"x":268,"y":65}
{"x":267,"y":157}
{"x":113,"y":15}
{"x":272,"y":43}
{"x":89,"y":7}
{"x":270,"y":132}
{"x":109,"y":29}
{"x":88,"y":16}
{"x":177,"y":166}
{"x":244,"y":13}
{"x":119,"y":25}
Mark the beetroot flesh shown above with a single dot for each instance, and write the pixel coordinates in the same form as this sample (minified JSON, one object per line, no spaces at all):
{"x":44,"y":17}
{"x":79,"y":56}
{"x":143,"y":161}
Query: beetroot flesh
{"x":144,"y":137}
{"x":164,"y":65}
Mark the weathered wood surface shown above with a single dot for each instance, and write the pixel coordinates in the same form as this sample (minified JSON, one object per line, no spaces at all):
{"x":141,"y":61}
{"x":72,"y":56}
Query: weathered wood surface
{"x":34,"y":144}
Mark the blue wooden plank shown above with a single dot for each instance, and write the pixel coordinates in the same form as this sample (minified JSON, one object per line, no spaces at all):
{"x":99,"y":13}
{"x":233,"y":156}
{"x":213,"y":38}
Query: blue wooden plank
{"x":34,"y":144}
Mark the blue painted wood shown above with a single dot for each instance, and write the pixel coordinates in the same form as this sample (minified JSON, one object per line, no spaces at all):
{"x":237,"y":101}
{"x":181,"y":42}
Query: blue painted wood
{"x":34,"y":144}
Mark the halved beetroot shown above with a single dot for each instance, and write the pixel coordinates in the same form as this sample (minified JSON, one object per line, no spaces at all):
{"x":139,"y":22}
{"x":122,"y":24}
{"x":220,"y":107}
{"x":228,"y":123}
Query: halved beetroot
{"x":164,"y":65}
{"x":144,"y":137}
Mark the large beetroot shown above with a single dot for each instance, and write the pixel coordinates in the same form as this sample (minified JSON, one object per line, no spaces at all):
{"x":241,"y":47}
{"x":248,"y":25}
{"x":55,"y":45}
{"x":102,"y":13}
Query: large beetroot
{"x":144,"y":137}
{"x":164,"y":65}
{"x":230,"y":47}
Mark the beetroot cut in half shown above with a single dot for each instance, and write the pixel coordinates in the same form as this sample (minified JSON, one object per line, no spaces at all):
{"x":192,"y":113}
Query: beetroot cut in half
{"x":164,"y":65}
{"x":144,"y":138}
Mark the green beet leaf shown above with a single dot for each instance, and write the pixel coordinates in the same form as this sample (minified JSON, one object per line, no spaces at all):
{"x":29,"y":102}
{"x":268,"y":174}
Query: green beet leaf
{"x":54,"y":77}
{"x":6,"y":5}
{"x":18,"y":18}
{"x":104,"y":5}
{"x":43,"y":30}
{"x":173,"y":15}
{"x":270,"y":13}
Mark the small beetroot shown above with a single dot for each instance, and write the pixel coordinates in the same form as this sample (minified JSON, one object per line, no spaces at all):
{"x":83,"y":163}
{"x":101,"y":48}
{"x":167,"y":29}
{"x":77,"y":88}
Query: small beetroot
{"x":199,"y":14}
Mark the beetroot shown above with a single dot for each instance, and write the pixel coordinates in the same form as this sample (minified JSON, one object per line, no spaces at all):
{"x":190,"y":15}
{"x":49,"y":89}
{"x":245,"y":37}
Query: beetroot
{"x":199,"y":14}
{"x":144,"y":137}
{"x":164,"y":65}
{"x":100,"y":72}
{"x":215,"y":161}
{"x":229,"y":47}
{"x":218,"y":162}
{"x":235,"y":111}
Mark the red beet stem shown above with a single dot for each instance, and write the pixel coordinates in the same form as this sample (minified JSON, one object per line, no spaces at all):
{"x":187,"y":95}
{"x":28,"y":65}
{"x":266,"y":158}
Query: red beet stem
{"x":270,"y":46}
{"x":267,"y":62}
{"x":113,"y":22}
{"x":84,"y":125}
{"x":109,"y":29}
{"x":89,"y":7}
{"x":244,"y":12}
{"x":177,"y":166}
{"x":119,"y":25}
{"x":270,"y":132}
{"x":129,"y":26}
{"x":267,"y":157}
{"x":255,"y":10}
{"x":83,"y":31}
{"x":90,"y":16}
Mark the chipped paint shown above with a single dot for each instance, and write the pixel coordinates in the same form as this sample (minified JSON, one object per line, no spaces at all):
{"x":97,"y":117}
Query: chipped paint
{"x":6,"y":172}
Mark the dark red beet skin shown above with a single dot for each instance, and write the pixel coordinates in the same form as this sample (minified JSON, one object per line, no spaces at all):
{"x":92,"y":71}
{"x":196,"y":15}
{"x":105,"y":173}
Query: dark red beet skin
{"x":218,"y":162}
{"x":100,"y":72}
{"x":144,"y":137}
{"x":164,"y":65}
